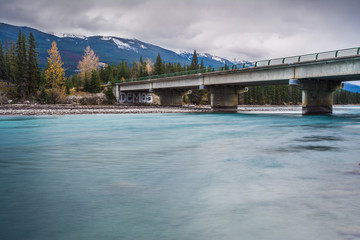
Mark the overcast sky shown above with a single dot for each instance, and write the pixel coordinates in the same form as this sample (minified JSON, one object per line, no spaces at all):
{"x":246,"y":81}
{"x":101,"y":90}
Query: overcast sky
{"x":251,"y":29}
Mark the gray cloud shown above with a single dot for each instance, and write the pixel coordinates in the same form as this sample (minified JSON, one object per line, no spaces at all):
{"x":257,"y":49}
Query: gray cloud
{"x":240,"y":29}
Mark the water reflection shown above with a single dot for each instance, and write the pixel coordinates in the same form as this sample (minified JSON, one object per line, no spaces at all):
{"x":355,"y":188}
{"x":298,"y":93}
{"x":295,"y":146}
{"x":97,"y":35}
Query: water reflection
{"x":315,"y":138}
{"x":301,"y":148}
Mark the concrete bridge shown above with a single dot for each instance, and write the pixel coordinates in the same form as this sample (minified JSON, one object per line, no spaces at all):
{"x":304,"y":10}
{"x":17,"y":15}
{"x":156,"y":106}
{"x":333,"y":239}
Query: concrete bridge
{"x":318,"y":75}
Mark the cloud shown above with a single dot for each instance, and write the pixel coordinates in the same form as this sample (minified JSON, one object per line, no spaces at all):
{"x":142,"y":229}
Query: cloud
{"x":251,"y":30}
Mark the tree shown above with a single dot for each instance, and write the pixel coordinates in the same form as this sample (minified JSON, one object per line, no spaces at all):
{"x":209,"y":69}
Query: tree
{"x":75,"y":82}
{"x":54,"y":74}
{"x":95,"y":82}
{"x":158,"y":67}
{"x":33,"y":81}
{"x":109,"y":91}
{"x":88,"y":63}
{"x":2,"y":63}
{"x":202,"y":65}
{"x":10,"y":62}
{"x":194,"y":62}
{"x":149,"y":67}
{"x":21,"y":65}
{"x":68,"y":85}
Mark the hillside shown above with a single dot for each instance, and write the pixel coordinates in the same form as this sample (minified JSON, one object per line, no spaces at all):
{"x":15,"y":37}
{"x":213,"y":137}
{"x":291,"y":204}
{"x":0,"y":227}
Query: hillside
{"x":109,"y":49}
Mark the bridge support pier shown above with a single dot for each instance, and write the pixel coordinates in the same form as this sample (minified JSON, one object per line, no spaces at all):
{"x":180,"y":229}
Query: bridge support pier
{"x":224,"y":98}
{"x":170,"y":97}
{"x":317,"y":96}
{"x":116,"y":92}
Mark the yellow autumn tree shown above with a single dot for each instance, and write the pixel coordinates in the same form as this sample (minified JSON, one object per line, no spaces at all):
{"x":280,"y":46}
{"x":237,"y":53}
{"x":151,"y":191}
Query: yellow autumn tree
{"x":149,"y":66}
{"x":88,"y":63}
{"x":55,"y":73}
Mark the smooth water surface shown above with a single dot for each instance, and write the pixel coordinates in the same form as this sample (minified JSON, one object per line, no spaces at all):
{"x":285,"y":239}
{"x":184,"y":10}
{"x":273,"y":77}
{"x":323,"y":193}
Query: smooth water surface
{"x":180,"y":176}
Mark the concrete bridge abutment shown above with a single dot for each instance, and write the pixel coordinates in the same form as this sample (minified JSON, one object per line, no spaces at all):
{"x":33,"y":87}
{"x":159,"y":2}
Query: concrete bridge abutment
{"x":225,"y":98}
{"x":170,"y":97}
{"x":317,"y":96}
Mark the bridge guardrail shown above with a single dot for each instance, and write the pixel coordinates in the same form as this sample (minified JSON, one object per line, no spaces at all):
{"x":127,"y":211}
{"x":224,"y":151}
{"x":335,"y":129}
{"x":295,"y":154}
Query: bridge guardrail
{"x":262,"y":63}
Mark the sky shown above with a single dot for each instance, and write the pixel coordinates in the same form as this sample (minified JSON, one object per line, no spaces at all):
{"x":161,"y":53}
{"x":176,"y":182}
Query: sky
{"x":245,"y":30}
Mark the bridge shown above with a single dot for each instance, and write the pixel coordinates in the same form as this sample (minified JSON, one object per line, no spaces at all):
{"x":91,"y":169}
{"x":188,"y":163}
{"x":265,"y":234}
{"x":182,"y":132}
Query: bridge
{"x":317,"y":74}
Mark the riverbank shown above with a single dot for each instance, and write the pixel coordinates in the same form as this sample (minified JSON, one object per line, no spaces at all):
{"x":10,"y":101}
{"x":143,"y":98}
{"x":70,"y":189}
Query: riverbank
{"x":68,"y":109}
{"x":74,"y":109}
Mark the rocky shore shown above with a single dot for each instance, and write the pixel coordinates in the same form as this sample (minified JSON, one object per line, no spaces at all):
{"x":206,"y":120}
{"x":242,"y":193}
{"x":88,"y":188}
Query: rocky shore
{"x":71,"y":109}
{"x":68,"y":109}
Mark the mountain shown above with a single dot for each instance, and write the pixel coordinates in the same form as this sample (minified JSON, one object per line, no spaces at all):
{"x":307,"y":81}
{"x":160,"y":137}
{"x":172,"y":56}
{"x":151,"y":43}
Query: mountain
{"x":207,"y":58}
{"x":109,"y":49}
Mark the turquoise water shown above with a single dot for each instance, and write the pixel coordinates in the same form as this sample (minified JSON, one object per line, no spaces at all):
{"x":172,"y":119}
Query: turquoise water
{"x":180,"y":176}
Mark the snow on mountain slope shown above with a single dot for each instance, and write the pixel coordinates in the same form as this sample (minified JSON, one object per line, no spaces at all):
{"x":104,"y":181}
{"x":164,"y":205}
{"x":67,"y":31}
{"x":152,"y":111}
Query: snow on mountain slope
{"x":109,"y":49}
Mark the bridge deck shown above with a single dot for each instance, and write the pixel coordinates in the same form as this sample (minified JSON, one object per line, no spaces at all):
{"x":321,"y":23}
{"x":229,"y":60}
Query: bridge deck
{"x":343,"y":68}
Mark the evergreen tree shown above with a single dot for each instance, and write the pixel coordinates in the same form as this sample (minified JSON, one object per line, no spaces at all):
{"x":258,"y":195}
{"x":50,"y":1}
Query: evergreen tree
{"x":109,"y":91}
{"x":21,"y":66}
{"x":86,"y":83}
{"x":95,"y":82}
{"x":202,"y":65}
{"x":10,"y":62}
{"x":2,"y":63}
{"x":68,"y":85}
{"x":76,"y":83}
{"x":194,"y":62}
{"x":158,"y":67}
{"x":6,"y":65}
{"x":33,"y":81}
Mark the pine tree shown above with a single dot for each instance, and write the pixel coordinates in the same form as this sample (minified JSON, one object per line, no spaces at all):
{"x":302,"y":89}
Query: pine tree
{"x":54,"y":73}
{"x":33,"y":81}
{"x":86,"y":83}
{"x":194,"y":62}
{"x":158,"y":67}
{"x":76,"y":83}
{"x":95,"y":83}
{"x":21,"y":66}
{"x":10,"y":62}
{"x":2,"y":64}
{"x":202,"y":65}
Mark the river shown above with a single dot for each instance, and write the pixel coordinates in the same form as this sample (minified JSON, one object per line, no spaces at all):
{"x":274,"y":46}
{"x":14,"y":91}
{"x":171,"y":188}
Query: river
{"x":271,"y":175}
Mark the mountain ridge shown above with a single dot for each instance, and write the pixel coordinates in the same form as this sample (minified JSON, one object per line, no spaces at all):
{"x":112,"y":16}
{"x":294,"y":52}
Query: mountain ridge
{"x":109,"y":49}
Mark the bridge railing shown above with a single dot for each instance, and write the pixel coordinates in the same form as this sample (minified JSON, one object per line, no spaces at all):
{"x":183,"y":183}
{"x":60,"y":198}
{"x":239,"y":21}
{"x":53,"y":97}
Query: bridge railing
{"x":276,"y":61}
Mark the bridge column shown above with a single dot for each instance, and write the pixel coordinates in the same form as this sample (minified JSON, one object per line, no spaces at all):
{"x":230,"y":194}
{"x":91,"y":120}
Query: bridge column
{"x":116,"y":92}
{"x":170,"y":97}
{"x":317,"y":96}
{"x":224,"y":98}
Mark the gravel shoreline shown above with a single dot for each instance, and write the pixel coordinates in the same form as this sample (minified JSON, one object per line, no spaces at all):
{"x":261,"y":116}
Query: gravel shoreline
{"x":67,"y":109}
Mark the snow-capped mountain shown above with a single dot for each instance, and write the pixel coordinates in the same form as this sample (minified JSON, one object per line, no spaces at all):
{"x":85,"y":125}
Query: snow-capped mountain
{"x":68,"y":35}
{"x":110,"y":49}
{"x":207,"y":58}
